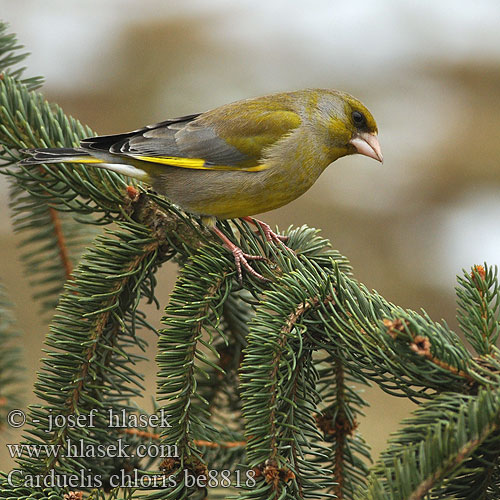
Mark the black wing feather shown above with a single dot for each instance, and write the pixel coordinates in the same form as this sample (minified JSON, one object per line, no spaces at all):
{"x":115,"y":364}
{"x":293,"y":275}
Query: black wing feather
{"x":180,"y":137}
{"x":109,"y":143}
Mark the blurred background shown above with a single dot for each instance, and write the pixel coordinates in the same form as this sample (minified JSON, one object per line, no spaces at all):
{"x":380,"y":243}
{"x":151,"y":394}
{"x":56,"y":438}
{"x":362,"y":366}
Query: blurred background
{"x":429,"y":72}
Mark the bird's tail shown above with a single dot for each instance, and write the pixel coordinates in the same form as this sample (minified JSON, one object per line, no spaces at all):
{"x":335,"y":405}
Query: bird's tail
{"x":79,"y":155}
{"x":57,"y":155}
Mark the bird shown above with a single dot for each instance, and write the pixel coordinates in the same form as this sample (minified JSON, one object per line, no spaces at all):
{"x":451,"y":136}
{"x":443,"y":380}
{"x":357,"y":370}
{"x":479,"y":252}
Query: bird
{"x":237,"y":160}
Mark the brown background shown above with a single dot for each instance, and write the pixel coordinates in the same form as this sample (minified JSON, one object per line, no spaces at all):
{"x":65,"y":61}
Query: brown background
{"x":429,"y":73}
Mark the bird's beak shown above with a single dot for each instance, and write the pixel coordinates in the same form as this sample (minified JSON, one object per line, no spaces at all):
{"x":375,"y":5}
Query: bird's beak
{"x":367,"y":144}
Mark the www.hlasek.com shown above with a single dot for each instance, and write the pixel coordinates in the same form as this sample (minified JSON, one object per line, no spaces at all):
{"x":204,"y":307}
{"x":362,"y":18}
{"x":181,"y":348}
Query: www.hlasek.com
{"x":84,"y":449}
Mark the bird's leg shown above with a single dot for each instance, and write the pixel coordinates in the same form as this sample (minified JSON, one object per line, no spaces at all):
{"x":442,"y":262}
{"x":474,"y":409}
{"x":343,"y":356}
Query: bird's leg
{"x":240,"y":258}
{"x":270,"y":235}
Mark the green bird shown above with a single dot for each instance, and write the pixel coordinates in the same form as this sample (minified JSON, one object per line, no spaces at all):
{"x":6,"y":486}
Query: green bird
{"x":236,"y":160}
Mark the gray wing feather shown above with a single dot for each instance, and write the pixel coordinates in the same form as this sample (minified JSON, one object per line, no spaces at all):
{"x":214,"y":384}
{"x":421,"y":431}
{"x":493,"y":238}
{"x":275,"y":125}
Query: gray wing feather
{"x":182,"y":137}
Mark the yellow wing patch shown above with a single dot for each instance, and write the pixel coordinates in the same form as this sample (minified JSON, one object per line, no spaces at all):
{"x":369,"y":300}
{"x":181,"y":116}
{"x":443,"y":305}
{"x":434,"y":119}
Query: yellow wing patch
{"x":197,"y":163}
{"x":84,"y":159}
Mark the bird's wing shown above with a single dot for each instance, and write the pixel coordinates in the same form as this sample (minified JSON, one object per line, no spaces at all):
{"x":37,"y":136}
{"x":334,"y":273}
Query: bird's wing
{"x":228,"y":138}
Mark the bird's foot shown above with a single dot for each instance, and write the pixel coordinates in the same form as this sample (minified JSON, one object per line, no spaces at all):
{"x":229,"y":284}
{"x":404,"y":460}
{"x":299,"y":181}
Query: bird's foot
{"x":240,"y":257}
{"x":241,"y":260}
{"x":270,"y":235}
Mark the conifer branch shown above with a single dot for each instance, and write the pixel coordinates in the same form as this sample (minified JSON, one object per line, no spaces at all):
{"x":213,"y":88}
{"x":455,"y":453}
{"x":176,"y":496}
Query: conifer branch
{"x":14,"y":96}
{"x":338,"y":421}
{"x":478,"y":307}
{"x":91,"y":339}
{"x":180,"y":358}
{"x":433,"y":456}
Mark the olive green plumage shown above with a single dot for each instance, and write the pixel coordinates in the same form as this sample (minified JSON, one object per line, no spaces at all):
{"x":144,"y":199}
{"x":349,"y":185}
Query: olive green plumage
{"x":237,"y":160}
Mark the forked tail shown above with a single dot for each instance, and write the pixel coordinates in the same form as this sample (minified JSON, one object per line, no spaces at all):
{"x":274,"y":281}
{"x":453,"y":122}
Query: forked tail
{"x":79,"y":155}
{"x":57,"y":155}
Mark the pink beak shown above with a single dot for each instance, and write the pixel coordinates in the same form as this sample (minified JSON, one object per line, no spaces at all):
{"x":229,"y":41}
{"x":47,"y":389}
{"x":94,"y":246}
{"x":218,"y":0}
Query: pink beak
{"x":367,"y":144}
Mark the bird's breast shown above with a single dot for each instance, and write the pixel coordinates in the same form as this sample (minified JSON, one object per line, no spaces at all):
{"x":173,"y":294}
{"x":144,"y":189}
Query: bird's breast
{"x":232,"y":194}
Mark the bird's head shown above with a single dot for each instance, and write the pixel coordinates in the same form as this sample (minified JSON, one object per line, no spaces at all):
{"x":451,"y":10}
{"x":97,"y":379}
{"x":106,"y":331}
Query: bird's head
{"x":352,"y":128}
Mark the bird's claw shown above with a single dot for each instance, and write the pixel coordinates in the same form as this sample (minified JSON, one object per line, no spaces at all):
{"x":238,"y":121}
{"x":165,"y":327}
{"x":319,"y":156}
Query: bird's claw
{"x":241,"y":259}
{"x":270,"y":235}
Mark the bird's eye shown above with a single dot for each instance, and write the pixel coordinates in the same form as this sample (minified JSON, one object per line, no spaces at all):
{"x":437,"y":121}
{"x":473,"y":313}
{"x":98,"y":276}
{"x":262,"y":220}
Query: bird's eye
{"x":358,"y":118}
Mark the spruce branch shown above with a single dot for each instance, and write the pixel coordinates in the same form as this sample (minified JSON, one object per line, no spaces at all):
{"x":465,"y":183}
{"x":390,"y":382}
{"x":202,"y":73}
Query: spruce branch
{"x":54,"y":241}
{"x":338,"y":421}
{"x":90,"y":363}
{"x":11,"y":54}
{"x":435,"y":447}
{"x":478,"y":307}
{"x":284,"y":412}
{"x":181,"y":358}
{"x":221,"y":388}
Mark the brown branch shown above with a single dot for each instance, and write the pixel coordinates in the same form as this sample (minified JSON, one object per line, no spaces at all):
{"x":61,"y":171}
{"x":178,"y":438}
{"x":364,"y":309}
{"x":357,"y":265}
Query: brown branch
{"x":60,"y":238}
{"x":292,"y":319}
{"x":198,"y":442}
{"x":98,"y":330}
{"x":61,"y":243}
{"x":422,"y":346}
{"x":479,"y":270}
{"x":227,"y":444}
{"x":146,"y":211}
{"x":73,"y":495}
{"x":340,"y":435}
{"x":294,"y":448}
{"x":336,"y":429}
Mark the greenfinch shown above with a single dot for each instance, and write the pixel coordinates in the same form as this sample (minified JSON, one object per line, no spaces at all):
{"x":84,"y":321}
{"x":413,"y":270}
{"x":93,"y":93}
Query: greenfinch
{"x":236,"y":160}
